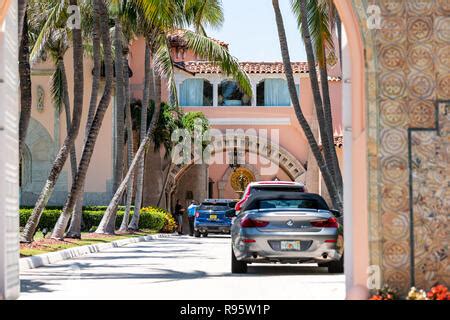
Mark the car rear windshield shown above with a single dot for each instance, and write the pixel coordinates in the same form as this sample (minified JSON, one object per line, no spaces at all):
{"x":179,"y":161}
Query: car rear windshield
{"x":291,"y":204}
{"x":215,"y":206}
{"x":280,"y":188}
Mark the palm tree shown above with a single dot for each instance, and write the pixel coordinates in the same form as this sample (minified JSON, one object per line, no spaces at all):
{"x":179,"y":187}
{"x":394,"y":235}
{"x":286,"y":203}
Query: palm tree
{"x":329,"y":181}
{"x":319,"y":19}
{"x":100,"y":13}
{"x":22,"y":9}
{"x":120,"y":103}
{"x":200,"y":45}
{"x":25,"y":81}
{"x":130,"y":140}
{"x":74,"y":230}
{"x":61,"y":157}
{"x":148,"y":79}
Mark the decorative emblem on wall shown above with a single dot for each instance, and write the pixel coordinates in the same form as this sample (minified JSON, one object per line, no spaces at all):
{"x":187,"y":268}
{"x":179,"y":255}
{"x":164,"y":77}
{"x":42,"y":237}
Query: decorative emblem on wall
{"x":40,"y":94}
{"x":240,"y":178}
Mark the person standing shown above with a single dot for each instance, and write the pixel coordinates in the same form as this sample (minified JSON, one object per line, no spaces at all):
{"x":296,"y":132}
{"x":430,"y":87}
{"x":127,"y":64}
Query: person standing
{"x":179,"y":216}
{"x":191,"y":215}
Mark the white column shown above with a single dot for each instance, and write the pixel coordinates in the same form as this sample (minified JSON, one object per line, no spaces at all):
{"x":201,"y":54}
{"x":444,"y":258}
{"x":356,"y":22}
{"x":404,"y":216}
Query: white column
{"x":215,"y":85}
{"x":178,"y":85}
{"x":9,"y":156}
{"x":254,"y":85}
{"x":348,"y":186}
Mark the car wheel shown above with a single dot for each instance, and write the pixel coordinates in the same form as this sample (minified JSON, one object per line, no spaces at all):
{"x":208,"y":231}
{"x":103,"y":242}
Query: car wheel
{"x":236,"y":265}
{"x":197,"y":234}
{"x":336,"y":266}
{"x":205,"y":235}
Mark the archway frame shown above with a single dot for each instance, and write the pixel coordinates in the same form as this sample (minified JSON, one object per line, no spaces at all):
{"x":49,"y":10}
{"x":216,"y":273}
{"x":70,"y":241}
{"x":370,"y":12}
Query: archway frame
{"x":286,"y":161}
{"x":360,"y":173}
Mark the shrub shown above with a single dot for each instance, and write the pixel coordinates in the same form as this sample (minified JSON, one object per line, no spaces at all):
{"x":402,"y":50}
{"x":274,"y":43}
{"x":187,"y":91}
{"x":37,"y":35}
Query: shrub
{"x":169,"y":222}
{"x":48,"y":218}
{"x":152,"y":218}
{"x":170,"y":225}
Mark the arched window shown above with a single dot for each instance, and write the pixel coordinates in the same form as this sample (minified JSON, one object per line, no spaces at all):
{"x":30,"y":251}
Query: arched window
{"x":196,"y":93}
{"x":231,"y":95}
{"x":273,"y":93}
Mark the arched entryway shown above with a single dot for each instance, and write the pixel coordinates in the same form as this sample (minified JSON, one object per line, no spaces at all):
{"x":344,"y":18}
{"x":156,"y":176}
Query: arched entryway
{"x":277,"y":156}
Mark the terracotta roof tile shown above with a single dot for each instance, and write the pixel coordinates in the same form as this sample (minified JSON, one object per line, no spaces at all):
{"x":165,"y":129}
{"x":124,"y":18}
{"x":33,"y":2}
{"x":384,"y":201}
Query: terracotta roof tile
{"x":249,"y":67}
{"x":176,"y":39}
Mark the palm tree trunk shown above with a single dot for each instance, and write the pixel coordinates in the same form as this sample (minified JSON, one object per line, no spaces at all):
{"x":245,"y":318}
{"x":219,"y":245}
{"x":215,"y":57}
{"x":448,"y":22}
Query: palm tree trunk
{"x":22,"y":9}
{"x":108,"y":221}
{"x":100,"y":11}
{"x":61,"y":157}
{"x":73,"y":157}
{"x":298,"y":111}
{"x":164,"y":185}
{"x":329,"y":126}
{"x":25,"y":82}
{"x":109,"y":218}
{"x":130,"y":140}
{"x":120,"y":103}
{"x":74,"y":230}
{"x":66,"y":102}
{"x":326,"y":128}
{"x":134,"y":224}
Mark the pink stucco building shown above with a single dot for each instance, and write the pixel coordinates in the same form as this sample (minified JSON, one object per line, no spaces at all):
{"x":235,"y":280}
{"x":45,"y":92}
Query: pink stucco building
{"x":201,"y":86}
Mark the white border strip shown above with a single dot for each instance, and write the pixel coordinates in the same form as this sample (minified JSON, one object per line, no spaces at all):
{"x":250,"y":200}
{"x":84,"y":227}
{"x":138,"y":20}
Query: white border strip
{"x":53,"y":257}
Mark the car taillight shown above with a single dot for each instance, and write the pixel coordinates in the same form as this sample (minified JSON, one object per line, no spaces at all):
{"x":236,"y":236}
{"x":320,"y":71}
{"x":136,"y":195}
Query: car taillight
{"x":330,"y":223}
{"x":251,"y":223}
{"x":197,"y":214}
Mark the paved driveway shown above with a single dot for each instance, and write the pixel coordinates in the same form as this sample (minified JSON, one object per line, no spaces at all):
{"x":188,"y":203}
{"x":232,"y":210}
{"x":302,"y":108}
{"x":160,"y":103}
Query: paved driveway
{"x":176,"y":268}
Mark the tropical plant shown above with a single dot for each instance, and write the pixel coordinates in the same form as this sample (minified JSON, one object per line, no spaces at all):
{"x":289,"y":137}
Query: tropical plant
{"x":100,"y":13}
{"x":317,"y":26}
{"x":148,"y":79}
{"x":61,"y":157}
{"x":74,"y":230}
{"x":25,"y":78}
{"x":328,"y":178}
{"x":172,"y":16}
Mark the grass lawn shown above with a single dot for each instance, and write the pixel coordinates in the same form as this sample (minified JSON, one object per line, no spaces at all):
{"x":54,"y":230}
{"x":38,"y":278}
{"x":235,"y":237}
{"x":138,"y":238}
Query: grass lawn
{"x":44,"y":245}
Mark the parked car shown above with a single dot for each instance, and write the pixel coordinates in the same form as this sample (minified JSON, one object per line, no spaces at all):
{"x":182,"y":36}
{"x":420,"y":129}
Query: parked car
{"x":214,"y":216}
{"x":280,"y":186}
{"x":285,"y":227}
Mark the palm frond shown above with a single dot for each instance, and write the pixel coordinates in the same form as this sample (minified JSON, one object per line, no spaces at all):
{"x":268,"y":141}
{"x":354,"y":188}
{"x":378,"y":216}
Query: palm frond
{"x":321,"y":20}
{"x":57,"y":88}
{"x":218,"y":55}
{"x":163,"y":65}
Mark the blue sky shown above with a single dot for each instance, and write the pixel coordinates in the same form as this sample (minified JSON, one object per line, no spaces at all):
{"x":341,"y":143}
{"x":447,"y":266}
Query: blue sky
{"x":251,"y":31}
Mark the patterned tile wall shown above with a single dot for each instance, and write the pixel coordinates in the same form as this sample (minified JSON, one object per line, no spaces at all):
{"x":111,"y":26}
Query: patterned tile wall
{"x":408,"y":72}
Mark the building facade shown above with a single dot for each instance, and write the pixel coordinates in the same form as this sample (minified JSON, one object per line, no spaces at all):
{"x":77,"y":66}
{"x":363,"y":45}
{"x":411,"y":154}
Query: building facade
{"x":201,"y":87}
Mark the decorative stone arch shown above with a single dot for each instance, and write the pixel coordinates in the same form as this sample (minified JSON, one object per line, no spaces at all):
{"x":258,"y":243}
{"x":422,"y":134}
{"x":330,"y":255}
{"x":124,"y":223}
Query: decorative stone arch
{"x":287,"y":162}
{"x":42,"y":151}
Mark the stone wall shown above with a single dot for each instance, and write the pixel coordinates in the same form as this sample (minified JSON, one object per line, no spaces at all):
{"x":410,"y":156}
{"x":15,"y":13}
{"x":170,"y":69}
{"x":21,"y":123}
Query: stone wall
{"x":408,"y":63}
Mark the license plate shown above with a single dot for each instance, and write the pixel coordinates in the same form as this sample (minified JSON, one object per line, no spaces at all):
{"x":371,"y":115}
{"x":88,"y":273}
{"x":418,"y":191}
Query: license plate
{"x":290,"y":245}
{"x":213,"y":217}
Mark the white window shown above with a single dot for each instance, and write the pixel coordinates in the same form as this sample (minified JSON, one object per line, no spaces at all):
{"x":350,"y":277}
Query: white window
{"x":196,"y":93}
{"x":273,"y":93}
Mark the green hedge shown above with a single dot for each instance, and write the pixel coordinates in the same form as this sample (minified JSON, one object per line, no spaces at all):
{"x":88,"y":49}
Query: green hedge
{"x":151,"y":219}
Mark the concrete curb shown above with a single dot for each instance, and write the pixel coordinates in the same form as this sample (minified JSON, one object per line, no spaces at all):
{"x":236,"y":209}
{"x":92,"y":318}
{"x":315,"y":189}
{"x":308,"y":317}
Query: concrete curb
{"x":53,"y":257}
